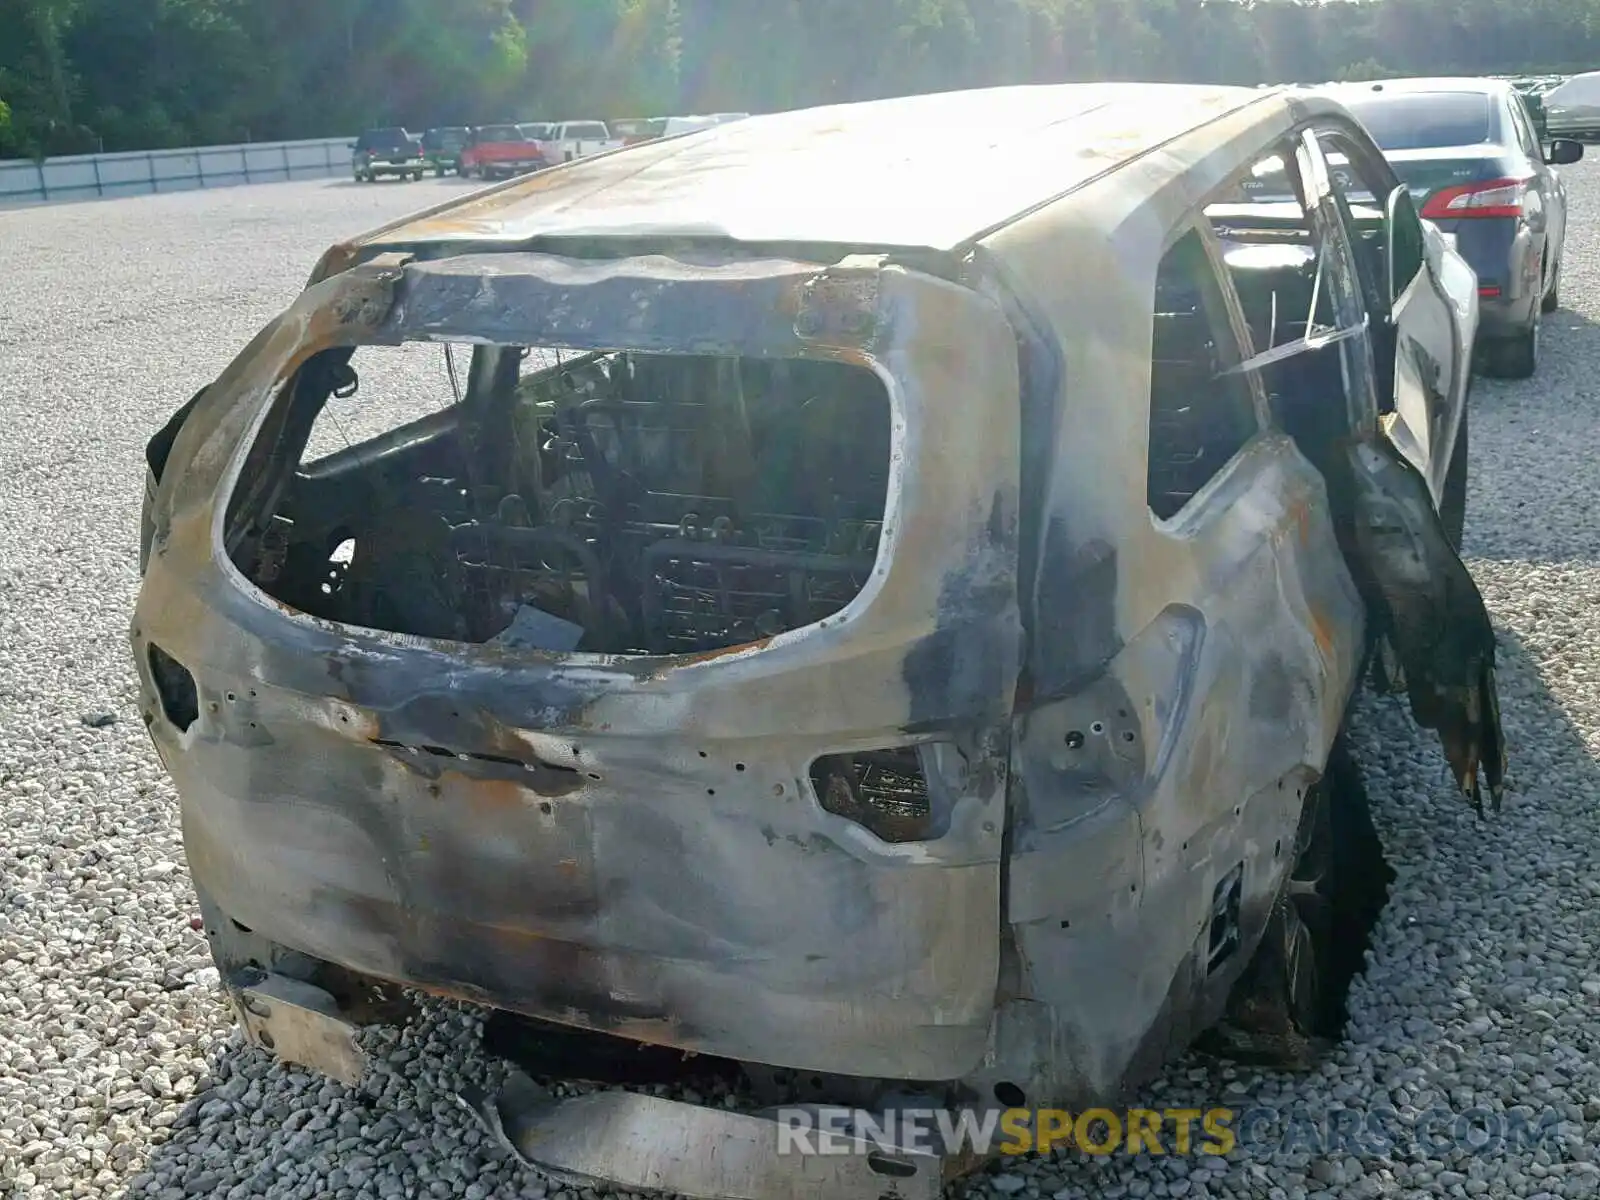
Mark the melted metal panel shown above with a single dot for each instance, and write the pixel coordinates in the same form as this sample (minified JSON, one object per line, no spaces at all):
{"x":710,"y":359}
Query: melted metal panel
{"x":625,"y":844}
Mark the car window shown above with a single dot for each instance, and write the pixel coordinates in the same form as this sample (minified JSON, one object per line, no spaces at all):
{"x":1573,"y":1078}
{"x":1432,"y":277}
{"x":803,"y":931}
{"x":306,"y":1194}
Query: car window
{"x":499,"y":133}
{"x":1522,"y":123}
{"x":1366,"y":188}
{"x":1201,"y":412}
{"x":1420,"y":120}
{"x":586,"y":129}
{"x":1292,"y":266}
{"x":1361,"y":191}
{"x":1341,"y":276}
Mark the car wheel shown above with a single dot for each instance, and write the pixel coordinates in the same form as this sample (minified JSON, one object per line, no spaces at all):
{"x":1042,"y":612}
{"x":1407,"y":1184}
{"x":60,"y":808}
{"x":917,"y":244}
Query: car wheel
{"x":1552,"y":298}
{"x":1282,"y":1007}
{"x":1515,"y":357}
{"x":1288,"y":1005}
{"x":1453,"y":504}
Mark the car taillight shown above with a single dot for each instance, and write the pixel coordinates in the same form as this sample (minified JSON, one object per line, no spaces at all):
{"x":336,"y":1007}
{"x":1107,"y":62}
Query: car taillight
{"x":1490,"y":198}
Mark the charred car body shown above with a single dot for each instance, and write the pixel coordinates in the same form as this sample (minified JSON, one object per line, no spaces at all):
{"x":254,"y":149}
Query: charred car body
{"x":894,"y":648}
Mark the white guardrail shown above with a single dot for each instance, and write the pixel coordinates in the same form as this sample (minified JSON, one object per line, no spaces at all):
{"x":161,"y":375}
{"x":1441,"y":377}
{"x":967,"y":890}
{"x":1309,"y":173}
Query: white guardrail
{"x":141,"y":172}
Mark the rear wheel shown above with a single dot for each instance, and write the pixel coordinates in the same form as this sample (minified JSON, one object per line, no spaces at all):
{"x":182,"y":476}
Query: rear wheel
{"x":1552,"y":298}
{"x":1289,"y":1005}
{"x":1515,"y":357}
{"x":1283,"y":1009}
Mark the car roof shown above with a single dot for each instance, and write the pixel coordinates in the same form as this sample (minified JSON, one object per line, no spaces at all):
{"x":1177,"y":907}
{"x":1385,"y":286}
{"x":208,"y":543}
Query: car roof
{"x":1582,"y":81}
{"x":929,"y":172}
{"x":1405,"y":87}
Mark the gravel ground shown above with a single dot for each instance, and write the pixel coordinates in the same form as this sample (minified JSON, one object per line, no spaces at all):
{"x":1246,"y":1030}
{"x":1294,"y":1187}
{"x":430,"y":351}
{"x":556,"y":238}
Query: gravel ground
{"x":120,"y":1072}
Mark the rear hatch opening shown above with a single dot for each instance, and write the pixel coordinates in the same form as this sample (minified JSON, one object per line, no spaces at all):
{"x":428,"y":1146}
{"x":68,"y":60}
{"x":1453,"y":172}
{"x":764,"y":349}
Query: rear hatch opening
{"x":617,"y":503}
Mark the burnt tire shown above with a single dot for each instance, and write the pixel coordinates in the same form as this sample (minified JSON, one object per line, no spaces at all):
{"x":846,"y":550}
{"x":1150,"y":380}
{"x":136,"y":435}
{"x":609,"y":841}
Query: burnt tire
{"x":1453,"y":504}
{"x":1289,"y":1005}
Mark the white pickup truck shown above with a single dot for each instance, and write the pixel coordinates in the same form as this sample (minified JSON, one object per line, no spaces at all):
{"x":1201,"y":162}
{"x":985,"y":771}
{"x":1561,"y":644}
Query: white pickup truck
{"x":567,"y":140}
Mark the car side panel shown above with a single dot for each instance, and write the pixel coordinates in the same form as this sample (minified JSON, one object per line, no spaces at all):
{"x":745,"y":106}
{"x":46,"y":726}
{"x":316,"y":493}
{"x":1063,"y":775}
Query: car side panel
{"x":1193,"y":754}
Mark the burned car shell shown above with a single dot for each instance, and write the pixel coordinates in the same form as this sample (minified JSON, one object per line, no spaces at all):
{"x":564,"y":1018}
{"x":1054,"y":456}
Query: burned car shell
{"x":1116,"y":715}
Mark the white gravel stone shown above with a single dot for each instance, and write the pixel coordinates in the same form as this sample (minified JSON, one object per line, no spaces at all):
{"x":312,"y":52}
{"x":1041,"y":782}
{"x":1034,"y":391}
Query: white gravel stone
{"x":120,"y":1070}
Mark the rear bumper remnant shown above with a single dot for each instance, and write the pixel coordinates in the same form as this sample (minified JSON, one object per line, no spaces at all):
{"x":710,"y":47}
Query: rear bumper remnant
{"x":298,"y":1022}
{"x":649,"y":1143}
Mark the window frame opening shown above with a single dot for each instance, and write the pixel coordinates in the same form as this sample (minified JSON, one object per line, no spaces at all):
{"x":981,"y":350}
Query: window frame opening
{"x":690,"y":567}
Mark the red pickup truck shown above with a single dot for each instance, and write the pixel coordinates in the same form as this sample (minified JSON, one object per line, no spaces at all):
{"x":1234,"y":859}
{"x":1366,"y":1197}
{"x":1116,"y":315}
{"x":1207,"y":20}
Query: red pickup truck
{"x":496,"y":151}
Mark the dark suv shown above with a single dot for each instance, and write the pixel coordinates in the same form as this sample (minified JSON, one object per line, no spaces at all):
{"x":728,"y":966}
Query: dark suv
{"x":386,"y":152}
{"x":442,"y":147}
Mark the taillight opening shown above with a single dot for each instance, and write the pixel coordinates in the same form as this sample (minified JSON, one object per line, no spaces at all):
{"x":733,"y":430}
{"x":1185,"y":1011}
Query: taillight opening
{"x":175,"y":687}
{"x":1488,"y":198}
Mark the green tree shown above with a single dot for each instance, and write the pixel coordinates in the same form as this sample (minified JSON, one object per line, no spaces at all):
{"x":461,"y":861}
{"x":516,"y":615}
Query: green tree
{"x":79,"y":74}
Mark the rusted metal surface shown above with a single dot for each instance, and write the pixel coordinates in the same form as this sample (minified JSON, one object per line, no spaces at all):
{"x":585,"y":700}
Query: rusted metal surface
{"x":653,"y":1144}
{"x":973,"y":827}
{"x":307,"y":730}
{"x":298,"y":1022}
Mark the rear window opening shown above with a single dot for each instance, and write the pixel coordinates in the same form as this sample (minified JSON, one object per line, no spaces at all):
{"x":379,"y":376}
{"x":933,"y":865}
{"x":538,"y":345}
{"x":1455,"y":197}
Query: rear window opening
{"x":614,"y":503}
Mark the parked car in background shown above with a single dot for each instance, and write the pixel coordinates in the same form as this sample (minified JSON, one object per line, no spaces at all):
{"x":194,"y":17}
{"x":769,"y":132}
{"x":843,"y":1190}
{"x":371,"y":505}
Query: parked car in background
{"x":711,"y":675}
{"x":631,"y":131}
{"x":693,"y":124}
{"x":500,"y":151}
{"x":442,"y":147}
{"x":677,"y":126}
{"x":390,"y":151}
{"x":565,"y":141}
{"x":1532,"y":89}
{"x":1468,"y":150}
{"x":1572,"y":108}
